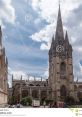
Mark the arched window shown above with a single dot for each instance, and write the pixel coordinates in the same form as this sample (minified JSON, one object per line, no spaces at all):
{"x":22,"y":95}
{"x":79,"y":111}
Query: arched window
{"x":35,"y":94}
{"x":63,"y":92}
{"x":63,"y":70}
{"x":63,"y":67}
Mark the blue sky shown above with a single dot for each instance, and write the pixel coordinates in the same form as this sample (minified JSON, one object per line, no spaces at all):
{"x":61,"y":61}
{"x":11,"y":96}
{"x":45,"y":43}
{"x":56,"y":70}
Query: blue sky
{"x":24,"y":54}
{"x":28,"y":27}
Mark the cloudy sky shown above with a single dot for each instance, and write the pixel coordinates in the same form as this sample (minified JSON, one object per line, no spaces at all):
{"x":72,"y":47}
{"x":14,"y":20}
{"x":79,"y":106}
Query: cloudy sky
{"x":28,"y":26}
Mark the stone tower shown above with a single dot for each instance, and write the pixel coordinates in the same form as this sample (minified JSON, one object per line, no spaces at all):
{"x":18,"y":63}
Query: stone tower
{"x":60,"y":64}
{"x":3,"y":73}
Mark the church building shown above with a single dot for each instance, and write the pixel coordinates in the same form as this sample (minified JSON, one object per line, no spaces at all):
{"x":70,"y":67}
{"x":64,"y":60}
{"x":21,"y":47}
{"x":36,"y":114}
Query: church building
{"x":3,"y":74}
{"x":61,"y":79}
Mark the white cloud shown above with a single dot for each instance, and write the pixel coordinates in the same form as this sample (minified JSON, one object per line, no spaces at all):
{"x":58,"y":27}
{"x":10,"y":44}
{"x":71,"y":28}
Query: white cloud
{"x":72,"y":40}
{"x":48,"y":8}
{"x":16,"y":73}
{"x":44,"y":35}
{"x":7,"y":12}
{"x":77,"y":66}
{"x":45,"y":46}
{"x":46,"y":73}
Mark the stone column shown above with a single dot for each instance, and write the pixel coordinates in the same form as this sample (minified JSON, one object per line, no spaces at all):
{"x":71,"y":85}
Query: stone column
{"x":47,"y":94}
{"x":30,"y":92}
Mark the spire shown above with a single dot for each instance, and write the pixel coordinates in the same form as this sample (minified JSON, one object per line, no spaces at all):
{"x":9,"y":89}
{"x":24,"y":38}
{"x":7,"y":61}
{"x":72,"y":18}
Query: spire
{"x":66,"y":39}
{"x":0,"y":36}
{"x":66,"y":36}
{"x":59,"y":28}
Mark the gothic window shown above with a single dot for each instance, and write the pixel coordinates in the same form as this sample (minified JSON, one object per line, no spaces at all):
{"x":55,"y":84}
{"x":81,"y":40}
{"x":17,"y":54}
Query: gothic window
{"x":63,"y":91}
{"x":35,"y":94}
{"x":63,"y":69}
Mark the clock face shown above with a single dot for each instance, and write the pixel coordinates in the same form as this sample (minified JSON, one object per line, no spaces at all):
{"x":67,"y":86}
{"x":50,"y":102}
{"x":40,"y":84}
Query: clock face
{"x":59,"y":48}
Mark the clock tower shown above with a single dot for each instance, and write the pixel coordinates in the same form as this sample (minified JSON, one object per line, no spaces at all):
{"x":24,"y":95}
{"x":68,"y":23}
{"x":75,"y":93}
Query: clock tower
{"x":61,"y":78}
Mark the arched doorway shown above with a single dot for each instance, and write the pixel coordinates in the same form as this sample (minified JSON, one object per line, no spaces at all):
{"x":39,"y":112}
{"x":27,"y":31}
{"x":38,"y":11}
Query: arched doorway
{"x":63,"y":92}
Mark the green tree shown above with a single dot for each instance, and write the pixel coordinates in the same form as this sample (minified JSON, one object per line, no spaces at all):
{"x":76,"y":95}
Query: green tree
{"x":26,"y":101}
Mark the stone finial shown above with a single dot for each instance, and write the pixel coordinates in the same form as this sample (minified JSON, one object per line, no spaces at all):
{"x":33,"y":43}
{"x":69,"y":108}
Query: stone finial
{"x":66,"y":38}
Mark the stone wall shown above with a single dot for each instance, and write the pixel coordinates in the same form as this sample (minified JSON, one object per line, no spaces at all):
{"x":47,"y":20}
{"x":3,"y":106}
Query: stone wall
{"x":3,"y":99}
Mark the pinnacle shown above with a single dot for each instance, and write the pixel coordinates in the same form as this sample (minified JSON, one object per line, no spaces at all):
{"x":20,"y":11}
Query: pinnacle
{"x":66,"y":37}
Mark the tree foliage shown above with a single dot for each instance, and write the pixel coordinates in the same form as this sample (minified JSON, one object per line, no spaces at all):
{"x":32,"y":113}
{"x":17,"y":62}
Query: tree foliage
{"x":26,"y":101}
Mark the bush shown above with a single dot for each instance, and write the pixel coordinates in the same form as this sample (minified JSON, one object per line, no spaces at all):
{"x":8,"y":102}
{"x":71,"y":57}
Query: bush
{"x":27,"y":101}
